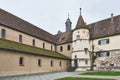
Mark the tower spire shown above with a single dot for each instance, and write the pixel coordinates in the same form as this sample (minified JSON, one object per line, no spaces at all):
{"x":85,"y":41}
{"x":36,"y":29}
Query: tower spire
{"x":68,"y":15}
{"x":80,"y":11}
{"x":68,"y":24}
{"x":80,"y":22}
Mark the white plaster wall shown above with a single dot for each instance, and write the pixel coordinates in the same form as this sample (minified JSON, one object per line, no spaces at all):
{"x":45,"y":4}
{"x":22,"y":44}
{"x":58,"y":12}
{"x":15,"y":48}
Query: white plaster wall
{"x":78,"y":47}
{"x":82,"y":63}
{"x":84,"y":34}
{"x":114,"y":42}
{"x":80,"y":55}
{"x":84,"y":39}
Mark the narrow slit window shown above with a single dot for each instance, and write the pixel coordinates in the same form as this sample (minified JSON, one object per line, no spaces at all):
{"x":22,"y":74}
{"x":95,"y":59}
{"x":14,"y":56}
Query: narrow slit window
{"x":68,"y":47}
{"x":39,"y":62}
{"x":33,"y":42}
{"x":21,"y":61}
{"x":51,"y":63}
{"x":61,"y":48}
{"x":20,"y":38}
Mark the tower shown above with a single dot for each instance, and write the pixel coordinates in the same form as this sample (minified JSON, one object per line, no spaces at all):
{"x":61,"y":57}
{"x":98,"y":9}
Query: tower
{"x":81,"y":46}
{"x":68,"y":24}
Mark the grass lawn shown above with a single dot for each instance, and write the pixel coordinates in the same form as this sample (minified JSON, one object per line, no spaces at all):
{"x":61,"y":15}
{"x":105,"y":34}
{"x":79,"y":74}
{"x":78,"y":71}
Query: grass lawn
{"x":104,"y":73}
{"x":75,"y":78}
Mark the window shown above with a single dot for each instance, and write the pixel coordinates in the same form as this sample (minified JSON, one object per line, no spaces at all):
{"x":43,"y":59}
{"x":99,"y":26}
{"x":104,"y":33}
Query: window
{"x":77,"y":37}
{"x":111,"y":65}
{"x":51,"y":47}
{"x":33,"y":42}
{"x":86,"y":50}
{"x":20,"y":38}
{"x":51,"y":63}
{"x":68,"y":47}
{"x":3,"y":33}
{"x":86,"y":62}
{"x":21,"y":61}
{"x":43,"y":45}
{"x":104,"y":41}
{"x":61,"y":48}
{"x":104,"y":54}
{"x":75,"y":56}
{"x":60,"y":63}
{"x":39,"y":62}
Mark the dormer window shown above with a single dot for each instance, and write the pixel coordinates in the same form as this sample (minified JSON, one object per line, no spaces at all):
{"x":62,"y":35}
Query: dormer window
{"x":77,"y":37}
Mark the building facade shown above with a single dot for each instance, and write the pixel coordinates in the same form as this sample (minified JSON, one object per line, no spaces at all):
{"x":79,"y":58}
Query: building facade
{"x":27,"y":49}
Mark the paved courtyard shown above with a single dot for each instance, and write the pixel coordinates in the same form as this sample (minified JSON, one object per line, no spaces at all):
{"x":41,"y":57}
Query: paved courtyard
{"x":56,"y":75}
{"x":47,"y":76}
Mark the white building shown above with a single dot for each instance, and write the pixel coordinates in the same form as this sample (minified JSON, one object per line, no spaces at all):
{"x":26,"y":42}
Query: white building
{"x":101,"y":40}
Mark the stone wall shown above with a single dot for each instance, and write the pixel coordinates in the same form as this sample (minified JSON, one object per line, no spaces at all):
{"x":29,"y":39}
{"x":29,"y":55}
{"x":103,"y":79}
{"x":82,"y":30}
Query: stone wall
{"x":111,"y":62}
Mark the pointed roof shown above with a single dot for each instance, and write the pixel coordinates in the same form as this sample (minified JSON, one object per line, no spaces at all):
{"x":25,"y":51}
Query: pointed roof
{"x":80,"y":23}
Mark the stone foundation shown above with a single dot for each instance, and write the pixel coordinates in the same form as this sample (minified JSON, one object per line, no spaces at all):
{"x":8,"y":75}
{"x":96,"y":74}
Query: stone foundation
{"x":109,"y":63}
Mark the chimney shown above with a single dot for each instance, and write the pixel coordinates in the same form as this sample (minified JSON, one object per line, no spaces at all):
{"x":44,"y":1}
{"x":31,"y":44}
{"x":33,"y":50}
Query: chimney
{"x":111,"y":17}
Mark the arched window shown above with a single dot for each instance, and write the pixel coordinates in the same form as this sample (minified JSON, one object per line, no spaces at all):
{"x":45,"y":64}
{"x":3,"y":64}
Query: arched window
{"x":33,"y":42}
{"x":43,"y":45}
{"x":3,"y":33}
{"x":61,"y":48}
{"x":68,"y":47}
{"x":60,"y":63}
{"x":39,"y":62}
{"x":21,"y":61}
{"x":20,"y":38}
{"x":51,"y":63}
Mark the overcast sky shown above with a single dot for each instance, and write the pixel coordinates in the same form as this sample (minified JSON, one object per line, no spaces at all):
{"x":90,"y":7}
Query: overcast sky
{"x":51,"y":15}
